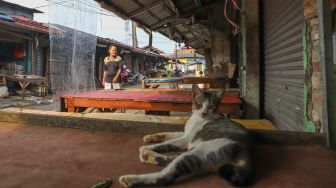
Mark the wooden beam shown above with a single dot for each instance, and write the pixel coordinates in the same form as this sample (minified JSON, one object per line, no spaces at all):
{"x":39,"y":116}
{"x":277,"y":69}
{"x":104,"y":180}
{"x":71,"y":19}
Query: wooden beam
{"x":145,"y":8}
{"x":193,"y":34}
{"x":169,"y":20}
{"x":15,"y":34}
{"x":168,"y":8}
{"x":177,"y":12}
{"x":185,"y":15}
{"x":148,"y":11}
{"x":43,"y":37}
{"x":113,"y":8}
{"x":198,"y":3}
{"x":150,"y":38}
{"x":134,"y":35}
{"x":145,"y":124}
{"x":328,"y":74}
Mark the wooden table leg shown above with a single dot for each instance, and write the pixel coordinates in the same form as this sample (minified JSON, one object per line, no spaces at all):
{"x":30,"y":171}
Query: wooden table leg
{"x":70,"y":105}
{"x":71,"y":109}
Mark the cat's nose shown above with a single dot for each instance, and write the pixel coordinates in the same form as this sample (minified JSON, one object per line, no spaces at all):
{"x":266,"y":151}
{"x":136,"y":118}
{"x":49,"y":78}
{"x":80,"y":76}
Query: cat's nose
{"x":204,"y":113}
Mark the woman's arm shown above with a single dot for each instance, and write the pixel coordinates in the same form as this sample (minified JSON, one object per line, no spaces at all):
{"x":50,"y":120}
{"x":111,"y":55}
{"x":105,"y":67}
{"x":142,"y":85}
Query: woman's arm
{"x":104,"y":78}
{"x":116,"y":78}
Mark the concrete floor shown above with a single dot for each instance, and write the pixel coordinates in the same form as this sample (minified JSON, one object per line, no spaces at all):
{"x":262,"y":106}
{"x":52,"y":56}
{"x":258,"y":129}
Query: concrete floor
{"x":38,"y":156}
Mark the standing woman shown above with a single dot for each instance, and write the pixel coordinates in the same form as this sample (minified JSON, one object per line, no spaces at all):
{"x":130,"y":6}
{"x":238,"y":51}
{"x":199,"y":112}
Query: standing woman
{"x":112,"y":68}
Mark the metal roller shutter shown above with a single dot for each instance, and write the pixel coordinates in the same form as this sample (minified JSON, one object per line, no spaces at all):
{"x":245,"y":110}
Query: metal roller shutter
{"x":40,"y":62}
{"x":284,"y":71}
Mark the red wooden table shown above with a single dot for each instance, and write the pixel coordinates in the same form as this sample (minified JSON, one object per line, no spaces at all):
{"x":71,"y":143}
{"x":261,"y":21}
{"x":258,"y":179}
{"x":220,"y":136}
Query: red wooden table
{"x":154,"y":100}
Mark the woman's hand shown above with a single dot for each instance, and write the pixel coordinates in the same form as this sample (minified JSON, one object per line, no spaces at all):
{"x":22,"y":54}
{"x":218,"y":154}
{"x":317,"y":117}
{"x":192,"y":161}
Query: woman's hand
{"x":115,"y":80}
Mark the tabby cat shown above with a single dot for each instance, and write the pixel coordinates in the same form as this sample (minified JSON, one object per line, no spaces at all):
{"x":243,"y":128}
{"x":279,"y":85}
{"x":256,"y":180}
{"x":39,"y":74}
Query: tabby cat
{"x":212,"y":143}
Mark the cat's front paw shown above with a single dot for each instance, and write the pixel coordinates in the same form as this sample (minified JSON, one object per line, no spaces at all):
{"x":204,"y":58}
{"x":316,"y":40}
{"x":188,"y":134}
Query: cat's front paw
{"x":127,"y":180}
{"x":142,"y":150}
{"x":148,"y":139}
{"x":147,"y":156}
{"x":154,"y":138}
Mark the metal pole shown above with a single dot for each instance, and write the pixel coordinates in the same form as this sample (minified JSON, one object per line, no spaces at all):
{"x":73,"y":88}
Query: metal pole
{"x":328,"y":74}
{"x":175,"y":53}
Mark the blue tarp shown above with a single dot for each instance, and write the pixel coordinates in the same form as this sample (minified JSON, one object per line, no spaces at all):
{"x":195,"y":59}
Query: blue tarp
{"x":5,"y":17}
{"x":163,"y":80}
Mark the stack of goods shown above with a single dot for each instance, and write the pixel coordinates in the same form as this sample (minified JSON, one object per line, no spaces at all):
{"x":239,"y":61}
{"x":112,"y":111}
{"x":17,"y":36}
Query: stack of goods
{"x":11,"y":68}
{"x":17,"y":69}
{"x":3,"y":87}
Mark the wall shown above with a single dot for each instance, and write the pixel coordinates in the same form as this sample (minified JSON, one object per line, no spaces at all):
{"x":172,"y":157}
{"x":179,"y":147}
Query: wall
{"x":313,"y":86}
{"x":220,"y":40}
{"x":251,"y":59}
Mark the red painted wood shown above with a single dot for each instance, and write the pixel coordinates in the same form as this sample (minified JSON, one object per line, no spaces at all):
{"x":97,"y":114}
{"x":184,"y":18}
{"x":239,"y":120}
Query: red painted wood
{"x":150,"y":96}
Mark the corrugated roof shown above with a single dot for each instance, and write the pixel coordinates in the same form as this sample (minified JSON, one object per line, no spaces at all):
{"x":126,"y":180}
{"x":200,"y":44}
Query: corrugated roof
{"x":137,"y":50}
{"x":172,"y":18}
{"x":27,"y":23}
{"x":19,"y":7}
{"x":31,"y":24}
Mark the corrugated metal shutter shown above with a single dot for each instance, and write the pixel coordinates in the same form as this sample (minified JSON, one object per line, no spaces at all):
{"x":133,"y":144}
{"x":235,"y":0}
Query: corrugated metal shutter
{"x":284,"y":71}
{"x":40,"y":62}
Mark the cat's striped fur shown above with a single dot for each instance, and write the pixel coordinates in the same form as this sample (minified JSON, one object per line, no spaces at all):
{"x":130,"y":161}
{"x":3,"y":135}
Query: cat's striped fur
{"x":212,"y":143}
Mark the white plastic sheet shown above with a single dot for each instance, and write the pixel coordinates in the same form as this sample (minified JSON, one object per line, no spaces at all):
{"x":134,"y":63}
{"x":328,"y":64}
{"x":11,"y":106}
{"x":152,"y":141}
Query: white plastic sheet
{"x":73,"y":42}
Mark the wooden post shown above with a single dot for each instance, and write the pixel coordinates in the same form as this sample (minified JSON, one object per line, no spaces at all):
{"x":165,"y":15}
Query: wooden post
{"x":150,"y":38}
{"x":208,"y":61}
{"x":328,"y":74}
{"x":134,"y":35}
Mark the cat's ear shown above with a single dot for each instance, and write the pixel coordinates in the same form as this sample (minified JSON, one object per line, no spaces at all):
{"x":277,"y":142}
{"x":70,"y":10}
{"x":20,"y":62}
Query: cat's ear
{"x":196,"y":90}
{"x":221,"y":92}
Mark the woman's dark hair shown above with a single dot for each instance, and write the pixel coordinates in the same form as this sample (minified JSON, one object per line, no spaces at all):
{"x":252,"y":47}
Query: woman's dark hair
{"x":112,"y":45}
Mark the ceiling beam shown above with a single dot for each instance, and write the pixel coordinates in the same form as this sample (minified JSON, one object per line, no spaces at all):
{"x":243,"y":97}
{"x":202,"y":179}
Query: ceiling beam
{"x":145,"y":8}
{"x":177,"y":12}
{"x":15,"y":34}
{"x":185,"y":15}
{"x":169,"y":20}
{"x":196,"y":38}
{"x":168,"y":8}
{"x":148,"y":11}
{"x":113,"y":8}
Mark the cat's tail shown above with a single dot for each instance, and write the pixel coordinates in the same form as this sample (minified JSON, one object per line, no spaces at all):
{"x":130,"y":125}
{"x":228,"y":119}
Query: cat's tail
{"x":236,"y":174}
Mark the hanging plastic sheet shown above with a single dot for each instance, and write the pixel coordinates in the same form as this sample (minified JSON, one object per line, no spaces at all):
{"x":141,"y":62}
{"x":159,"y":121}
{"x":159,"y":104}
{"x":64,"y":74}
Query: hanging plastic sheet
{"x":73,"y":42}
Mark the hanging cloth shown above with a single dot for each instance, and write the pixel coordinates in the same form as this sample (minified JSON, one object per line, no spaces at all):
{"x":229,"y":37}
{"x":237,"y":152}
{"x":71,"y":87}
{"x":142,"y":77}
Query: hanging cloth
{"x":19,"y":52}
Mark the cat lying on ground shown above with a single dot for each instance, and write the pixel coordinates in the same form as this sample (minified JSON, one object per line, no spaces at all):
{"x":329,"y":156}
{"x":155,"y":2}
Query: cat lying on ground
{"x":212,"y":143}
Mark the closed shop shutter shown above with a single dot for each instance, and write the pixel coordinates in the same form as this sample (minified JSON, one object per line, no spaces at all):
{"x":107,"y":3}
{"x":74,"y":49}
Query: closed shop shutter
{"x":283,"y":58}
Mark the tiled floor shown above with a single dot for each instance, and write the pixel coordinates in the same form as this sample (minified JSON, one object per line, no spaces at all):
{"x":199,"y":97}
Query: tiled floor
{"x":40,"y":156}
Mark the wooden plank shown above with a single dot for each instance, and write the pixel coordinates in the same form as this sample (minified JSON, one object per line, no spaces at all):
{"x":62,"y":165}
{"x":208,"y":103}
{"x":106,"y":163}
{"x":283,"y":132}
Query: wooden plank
{"x":89,"y":110}
{"x":137,"y":124}
{"x":72,"y":103}
{"x":185,"y":80}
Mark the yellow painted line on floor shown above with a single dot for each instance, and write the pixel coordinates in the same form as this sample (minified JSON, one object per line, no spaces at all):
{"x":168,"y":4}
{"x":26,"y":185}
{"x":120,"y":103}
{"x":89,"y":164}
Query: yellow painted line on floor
{"x":257,"y":124}
{"x":250,"y":124}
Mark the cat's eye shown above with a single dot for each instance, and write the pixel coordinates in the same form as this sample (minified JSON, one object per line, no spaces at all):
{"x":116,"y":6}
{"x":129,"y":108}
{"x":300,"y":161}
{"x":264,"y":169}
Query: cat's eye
{"x":198,"y":105}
